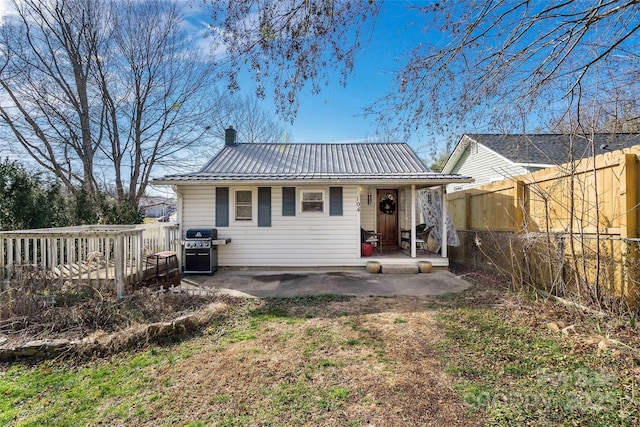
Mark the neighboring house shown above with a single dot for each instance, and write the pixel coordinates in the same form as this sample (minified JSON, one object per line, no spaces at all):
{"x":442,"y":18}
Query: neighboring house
{"x":155,"y":207}
{"x":490,"y":158}
{"x":304,"y":204}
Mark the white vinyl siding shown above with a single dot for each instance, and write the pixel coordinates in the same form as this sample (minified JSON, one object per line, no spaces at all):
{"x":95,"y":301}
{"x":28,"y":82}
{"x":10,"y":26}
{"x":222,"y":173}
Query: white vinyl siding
{"x":305,"y":240}
{"x":198,"y":207}
{"x":404,"y":208}
{"x":484,"y":166}
{"x":368,"y":208}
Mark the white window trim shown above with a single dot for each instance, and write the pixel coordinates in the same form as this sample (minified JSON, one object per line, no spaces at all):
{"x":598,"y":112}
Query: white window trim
{"x":254,"y":205}
{"x":313,"y":190}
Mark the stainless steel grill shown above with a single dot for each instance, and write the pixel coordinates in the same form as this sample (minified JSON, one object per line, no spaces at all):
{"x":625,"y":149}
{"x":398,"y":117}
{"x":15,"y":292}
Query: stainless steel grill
{"x":200,"y":254}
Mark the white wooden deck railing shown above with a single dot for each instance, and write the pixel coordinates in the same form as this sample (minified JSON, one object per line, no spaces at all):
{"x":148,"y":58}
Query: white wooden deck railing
{"x":93,"y":253}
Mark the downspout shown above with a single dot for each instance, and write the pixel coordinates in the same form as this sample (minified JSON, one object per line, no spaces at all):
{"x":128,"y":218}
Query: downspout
{"x":179,"y":206}
{"x":179,"y":213}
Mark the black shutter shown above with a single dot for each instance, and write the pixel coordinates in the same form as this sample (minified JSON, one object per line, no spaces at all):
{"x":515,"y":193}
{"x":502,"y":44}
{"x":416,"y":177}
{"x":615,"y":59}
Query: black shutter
{"x":222,"y":206}
{"x":264,"y":206}
{"x":335,"y":201}
{"x":288,"y":201}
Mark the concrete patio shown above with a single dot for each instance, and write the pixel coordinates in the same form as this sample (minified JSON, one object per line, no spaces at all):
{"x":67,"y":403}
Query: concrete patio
{"x":343,"y":281}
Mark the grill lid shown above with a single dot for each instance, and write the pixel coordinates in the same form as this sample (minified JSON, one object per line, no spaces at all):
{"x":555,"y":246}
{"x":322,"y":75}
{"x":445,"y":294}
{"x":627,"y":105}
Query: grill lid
{"x":202,"y":233}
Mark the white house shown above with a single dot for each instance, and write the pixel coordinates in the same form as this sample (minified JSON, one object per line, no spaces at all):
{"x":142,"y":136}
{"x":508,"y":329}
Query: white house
{"x":295,"y":205}
{"x":489,"y":158}
{"x":155,"y":206}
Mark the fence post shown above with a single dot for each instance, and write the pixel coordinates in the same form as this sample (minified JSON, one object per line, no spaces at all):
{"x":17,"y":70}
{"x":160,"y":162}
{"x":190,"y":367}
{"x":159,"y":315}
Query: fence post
{"x":139,"y":254}
{"x":10,"y":257}
{"x":2,"y":261}
{"x":467,"y":210}
{"x":167,"y":238}
{"x":519,"y":203}
{"x":629,"y":223}
{"x":561,"y":284}
{"x":629,"y":212}
{"x":119,"y":265}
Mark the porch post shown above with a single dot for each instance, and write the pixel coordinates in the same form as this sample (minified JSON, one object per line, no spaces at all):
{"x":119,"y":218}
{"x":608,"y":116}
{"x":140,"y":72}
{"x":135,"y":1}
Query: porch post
{"x":413,"y":220}
{"x":443,"y":249}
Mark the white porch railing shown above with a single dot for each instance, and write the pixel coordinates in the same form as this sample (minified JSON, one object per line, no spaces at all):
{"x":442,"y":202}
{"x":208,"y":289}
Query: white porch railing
{"x":94,"y":253}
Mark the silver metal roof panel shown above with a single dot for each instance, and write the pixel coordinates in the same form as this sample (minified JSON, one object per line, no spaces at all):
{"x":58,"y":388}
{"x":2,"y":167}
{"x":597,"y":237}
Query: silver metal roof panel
{"x":274,"y":162}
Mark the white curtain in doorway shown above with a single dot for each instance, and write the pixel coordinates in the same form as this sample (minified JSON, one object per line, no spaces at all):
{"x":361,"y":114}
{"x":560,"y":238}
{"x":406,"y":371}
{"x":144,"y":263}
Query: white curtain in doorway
{"x":430,"y":206}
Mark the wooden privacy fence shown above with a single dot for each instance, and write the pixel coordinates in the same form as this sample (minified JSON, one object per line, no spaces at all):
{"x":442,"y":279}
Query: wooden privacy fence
{"x":586,"y":210}
{"x":93,"y":254}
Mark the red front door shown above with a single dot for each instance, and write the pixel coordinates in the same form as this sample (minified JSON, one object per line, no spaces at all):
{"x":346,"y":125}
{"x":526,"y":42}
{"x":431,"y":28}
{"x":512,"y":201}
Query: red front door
{"x":388,"y":217}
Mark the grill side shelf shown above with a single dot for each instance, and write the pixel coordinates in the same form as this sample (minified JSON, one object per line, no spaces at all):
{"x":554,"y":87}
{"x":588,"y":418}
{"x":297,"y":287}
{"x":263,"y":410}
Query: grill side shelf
{"x":220,"y":242}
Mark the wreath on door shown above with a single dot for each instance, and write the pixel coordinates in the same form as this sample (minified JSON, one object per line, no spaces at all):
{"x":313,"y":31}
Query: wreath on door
{"x":387,"y":204}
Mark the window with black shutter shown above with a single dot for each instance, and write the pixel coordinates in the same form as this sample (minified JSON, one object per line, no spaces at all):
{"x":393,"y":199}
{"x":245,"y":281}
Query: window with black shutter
{"x":335,"y":201}
{"x":222,"y":206}
{"x":264,"y":206}
{"x":288,"y":201}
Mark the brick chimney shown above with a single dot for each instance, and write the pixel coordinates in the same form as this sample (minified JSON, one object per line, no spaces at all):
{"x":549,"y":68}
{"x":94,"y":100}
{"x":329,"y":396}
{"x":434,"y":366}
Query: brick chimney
{"x":230,"y":137}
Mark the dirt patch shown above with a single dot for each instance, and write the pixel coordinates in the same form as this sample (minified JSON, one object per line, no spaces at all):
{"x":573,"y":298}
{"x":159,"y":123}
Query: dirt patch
{"x":379,"y":353}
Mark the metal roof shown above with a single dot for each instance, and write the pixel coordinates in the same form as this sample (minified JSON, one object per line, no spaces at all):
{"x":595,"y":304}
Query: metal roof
{"x":353,"y":162}
{"x":553,"y":149}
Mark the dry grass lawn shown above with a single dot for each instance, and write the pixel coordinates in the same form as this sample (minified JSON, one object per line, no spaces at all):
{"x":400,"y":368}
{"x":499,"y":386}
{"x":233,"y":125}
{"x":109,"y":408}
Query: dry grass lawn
{"x":361,"y":361}
{"x":482,"y":357}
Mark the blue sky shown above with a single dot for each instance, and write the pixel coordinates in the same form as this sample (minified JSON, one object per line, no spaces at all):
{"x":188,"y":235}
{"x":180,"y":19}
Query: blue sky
{"x":340,"y":108}
{"x":336,"y":113}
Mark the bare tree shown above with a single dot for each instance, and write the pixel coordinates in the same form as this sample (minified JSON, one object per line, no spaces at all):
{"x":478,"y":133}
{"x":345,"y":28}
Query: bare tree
{"x":252,"y":122}
{"x":494,"y":60}
{"x":617,"y":111}
{"x":291,"y":43}
{"x":100,"y":88}
{"x":45,"y":77}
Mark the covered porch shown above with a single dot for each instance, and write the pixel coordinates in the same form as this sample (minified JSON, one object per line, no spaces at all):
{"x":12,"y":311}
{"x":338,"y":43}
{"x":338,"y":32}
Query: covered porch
{"x":397,"y":216}
{"x":403,"y":257}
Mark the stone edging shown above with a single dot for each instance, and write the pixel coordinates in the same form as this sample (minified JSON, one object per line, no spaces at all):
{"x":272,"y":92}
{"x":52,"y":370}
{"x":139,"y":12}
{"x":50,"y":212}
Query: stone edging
{"x":100,"y":343}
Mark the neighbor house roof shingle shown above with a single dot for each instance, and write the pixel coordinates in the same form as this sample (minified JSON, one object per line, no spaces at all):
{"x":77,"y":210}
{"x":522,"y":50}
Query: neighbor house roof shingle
{"x":362,"y":161}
